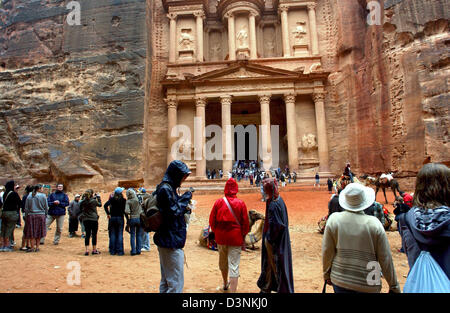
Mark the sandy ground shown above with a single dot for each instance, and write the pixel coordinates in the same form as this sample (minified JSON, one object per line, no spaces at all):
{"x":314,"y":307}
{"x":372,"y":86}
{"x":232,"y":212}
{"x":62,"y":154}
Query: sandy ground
{"x":48,"y":270}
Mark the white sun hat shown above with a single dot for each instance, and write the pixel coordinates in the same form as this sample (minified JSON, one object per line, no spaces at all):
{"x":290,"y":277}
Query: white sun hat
{"x":356,"y":197}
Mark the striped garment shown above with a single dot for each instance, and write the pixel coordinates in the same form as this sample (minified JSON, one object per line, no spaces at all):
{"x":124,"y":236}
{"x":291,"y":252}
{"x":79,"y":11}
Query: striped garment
{"x":353,"y":244}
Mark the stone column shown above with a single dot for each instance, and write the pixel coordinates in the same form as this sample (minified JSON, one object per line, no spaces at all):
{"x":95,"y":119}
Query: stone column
{"x":172,"y":105}
{"x":313,"y":28}
{"x":285,"y":31}
{"x":172,"y":37}
{"x":231,"y":37}
{"x":200,"y":104}
{"x":291,"y":122}
{"x":199,"y":18}
{"x":252,"y":26}
{"x":227,"y":139}
{"x":266,"y":142}
{"x":322,"y":139}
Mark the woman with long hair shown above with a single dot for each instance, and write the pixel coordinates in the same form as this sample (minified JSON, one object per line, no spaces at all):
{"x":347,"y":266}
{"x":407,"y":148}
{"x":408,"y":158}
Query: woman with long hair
{"x":426,"y":226}
{"x":88,"y":206}
{"x":11,"y":205}
{"x":36,"y":209}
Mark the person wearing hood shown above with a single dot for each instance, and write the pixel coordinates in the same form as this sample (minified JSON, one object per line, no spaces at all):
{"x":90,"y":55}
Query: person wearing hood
{"x":171,"y":235}
{"x":276,"y":255}
{"x":145,"y":235}
{"x":229,"y":222}
{"x":426,"y":226}
{"x":74,"y":211}
{"x":57,"y":203}
{"x":133,"y":210}
{"x":355,"y":248}
{"x":115,"y":211}
{"x":11,"y":205}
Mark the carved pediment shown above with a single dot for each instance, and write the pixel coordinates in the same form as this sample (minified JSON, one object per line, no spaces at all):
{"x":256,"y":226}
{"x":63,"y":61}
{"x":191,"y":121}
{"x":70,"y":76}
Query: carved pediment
{"x":244,"y":71}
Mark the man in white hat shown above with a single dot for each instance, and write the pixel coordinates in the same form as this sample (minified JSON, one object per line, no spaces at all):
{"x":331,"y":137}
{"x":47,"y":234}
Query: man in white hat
{"x":355,"y":248}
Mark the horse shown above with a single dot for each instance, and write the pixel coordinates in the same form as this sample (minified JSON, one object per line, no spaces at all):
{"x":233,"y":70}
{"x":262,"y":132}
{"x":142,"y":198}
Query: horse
{"x":384,"y":182}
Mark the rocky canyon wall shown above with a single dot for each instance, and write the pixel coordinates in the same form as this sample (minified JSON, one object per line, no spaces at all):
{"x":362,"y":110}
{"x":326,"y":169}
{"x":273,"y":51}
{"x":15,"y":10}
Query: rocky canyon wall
{"x":72,"y":97}
{"x":388,"y":98}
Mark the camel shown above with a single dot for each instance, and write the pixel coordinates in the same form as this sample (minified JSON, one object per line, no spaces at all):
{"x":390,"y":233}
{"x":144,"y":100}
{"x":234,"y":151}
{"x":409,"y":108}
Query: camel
{"x":384,"y":183}
{"x":250,"y":239}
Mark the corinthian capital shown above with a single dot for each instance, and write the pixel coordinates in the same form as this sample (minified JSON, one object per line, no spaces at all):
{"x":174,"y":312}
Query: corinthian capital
{"x":264,"y":98}
{"x":289,"y":98}
{"x":200,"y":14}
{"x":225,"y":100}
{"x":311,"y":6}
{"x":171,"y":102}
{"x":318,"y":97}
{"x":283,"y":8}
{"x":200,"y":102}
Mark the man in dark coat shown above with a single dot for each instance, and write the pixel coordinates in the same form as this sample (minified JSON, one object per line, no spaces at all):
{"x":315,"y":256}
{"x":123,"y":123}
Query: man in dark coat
{"x":57,"y":203}
{"x":171,"y":236}
{"x":276,"y":256}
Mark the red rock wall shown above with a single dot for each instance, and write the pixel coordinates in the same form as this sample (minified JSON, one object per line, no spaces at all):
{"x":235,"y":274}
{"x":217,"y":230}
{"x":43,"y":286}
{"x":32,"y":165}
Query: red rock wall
{"x":388,"y":107}
{"x":72,"y":97}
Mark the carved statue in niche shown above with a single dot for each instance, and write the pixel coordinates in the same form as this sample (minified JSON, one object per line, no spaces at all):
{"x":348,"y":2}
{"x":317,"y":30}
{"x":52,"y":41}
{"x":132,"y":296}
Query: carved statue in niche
{"x":186,"y":39}
{"x":299,"y":32}
{"x":309,"y":142}
{"x":242,"y":38}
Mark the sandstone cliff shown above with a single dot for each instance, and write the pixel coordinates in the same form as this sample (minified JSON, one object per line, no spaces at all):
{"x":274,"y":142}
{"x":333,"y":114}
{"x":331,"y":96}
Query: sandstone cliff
{"x":72,"y":97}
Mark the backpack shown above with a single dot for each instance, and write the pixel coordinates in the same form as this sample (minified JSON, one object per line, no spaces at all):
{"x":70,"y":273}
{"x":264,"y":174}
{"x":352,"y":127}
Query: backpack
{"x":151,"y":217}
{"x":425,"y":276}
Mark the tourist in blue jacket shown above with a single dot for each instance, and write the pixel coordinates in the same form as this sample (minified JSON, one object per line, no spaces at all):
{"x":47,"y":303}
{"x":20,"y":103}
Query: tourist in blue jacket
{"x":57,"y":203}
{"x":171,"y":236}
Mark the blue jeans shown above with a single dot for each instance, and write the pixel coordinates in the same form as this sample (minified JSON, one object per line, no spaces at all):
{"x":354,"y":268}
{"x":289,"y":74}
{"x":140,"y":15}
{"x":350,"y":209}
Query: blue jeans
{"x":145,"y":240}
{"x":172,"y":270}
{"x":338,"y":289}
{"x":116,"y":235}
{"x":135,"y":235}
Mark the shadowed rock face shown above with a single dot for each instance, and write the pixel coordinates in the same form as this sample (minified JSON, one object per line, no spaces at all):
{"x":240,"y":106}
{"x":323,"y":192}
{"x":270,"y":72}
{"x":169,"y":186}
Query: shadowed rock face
{"x":72,"y":97}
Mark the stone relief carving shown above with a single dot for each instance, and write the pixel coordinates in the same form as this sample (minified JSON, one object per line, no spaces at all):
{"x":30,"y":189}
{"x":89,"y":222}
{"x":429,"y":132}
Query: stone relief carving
{"x":309,"y":142}
{"x":186,"y":39}
{"x":299,"y":32}
{"x":242,"y":38}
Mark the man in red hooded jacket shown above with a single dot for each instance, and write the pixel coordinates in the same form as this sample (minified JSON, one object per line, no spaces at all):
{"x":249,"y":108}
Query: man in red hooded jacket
{"x":229,"y":222}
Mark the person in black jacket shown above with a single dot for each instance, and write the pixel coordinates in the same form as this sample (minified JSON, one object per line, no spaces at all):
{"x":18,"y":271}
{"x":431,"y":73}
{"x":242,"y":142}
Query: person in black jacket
{"x":171,"y":236}
{"x":115,"y":211}
{"x":11,"y":205}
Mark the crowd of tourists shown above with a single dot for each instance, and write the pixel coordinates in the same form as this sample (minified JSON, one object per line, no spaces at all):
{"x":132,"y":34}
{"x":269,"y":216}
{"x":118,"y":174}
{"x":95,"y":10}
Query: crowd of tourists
{"x":354,"y":236}
{"x":39,"y":211}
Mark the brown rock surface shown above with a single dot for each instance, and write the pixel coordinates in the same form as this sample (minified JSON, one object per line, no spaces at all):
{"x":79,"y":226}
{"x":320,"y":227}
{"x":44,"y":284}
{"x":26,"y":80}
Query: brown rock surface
{"x":72,"y":97}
